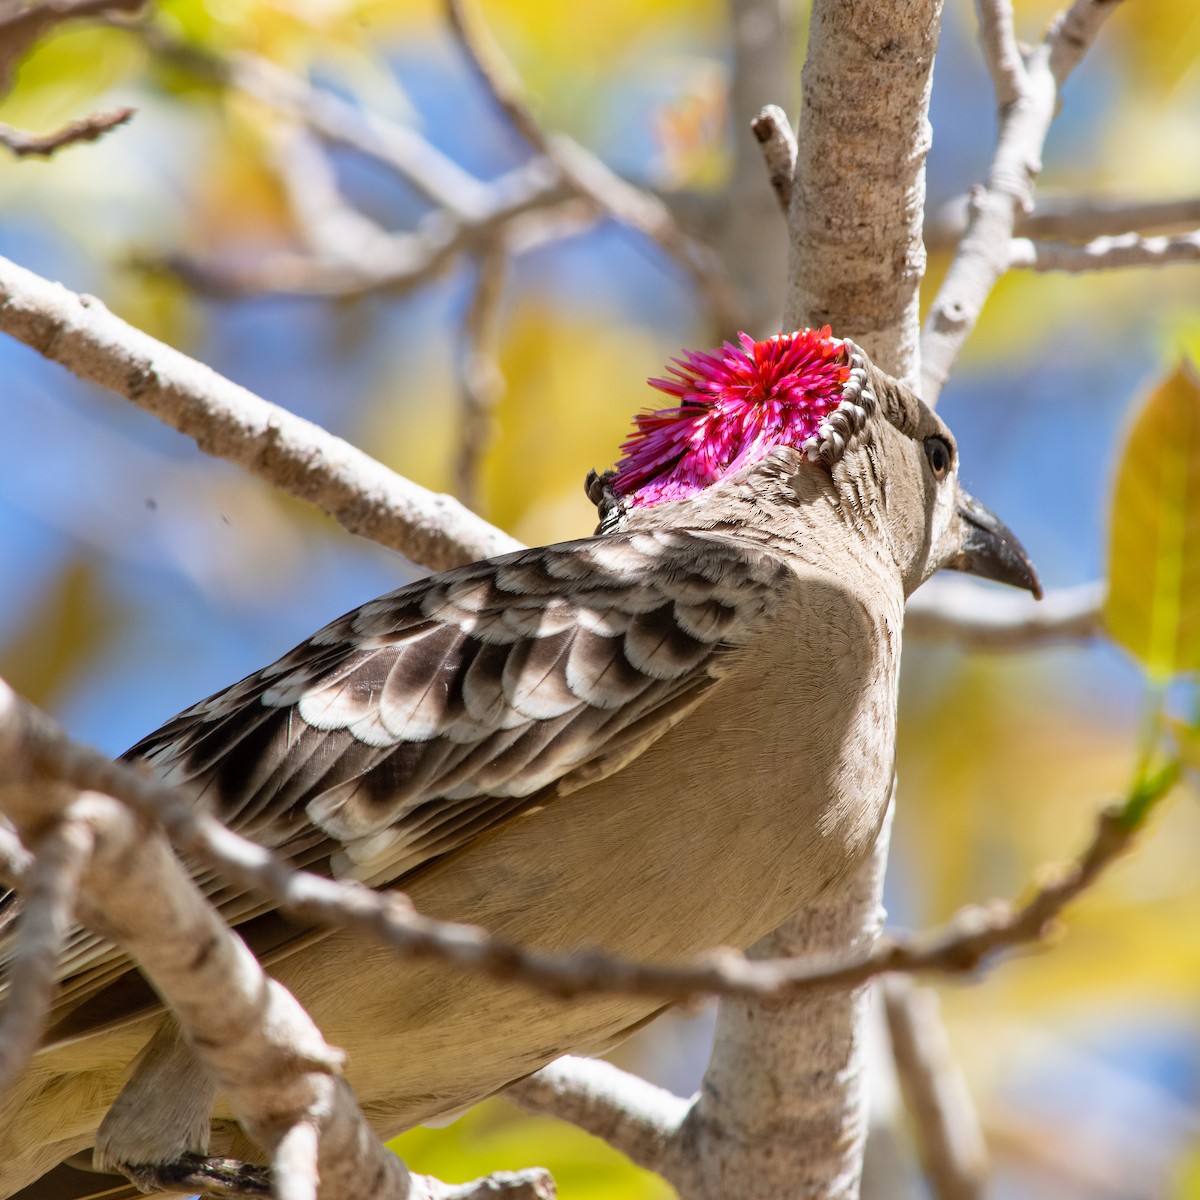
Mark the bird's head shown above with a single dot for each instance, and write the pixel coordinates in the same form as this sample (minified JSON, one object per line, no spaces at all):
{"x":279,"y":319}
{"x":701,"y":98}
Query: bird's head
{"x":842,"y":431}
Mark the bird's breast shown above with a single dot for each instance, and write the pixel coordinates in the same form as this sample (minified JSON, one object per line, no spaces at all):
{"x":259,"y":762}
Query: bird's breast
{"x":767,"y":793}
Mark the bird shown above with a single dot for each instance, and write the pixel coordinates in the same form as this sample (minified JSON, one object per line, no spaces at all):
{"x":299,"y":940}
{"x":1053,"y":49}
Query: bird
{"x":665,"y":737}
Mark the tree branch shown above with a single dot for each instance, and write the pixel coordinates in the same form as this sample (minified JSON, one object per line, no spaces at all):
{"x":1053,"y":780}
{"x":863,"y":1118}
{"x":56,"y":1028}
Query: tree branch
{"x":962,"y":944}
{"x":1104,"y":253}
{"x":748,"y":232}
{"x":480,"y":380}
{"x":49,"y":885}
{"x":949,"y":1138}
{"x":633,"y":1116}
{"x":435,"y":176}
{"x":858,"y":204}
{"x":999,"y":43}
{"x":268,"y":1058}
{"x":977,"y":617}
{"x":586,"y":174}
{"x":778,"y":144}
{"x":90,"y":129}
{"x":983,"y":253}
{"x":20,"y":29}
{"x":1072,"y":218}
{"x":229,"y":422}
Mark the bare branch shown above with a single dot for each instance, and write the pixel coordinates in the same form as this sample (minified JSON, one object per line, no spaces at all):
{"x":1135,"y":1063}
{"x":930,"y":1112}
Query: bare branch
{"x":440,"y":179}
{"x":530,"y":1184}
{"x":1000,"y":52}
{"x":48,"y":890}
{"x":1072,"y":33}
{"x":268,"y":1058}
{"x":261,"y":1047}
{"x":327,"y":224}
{"x":1104,"y":253}
{"x":774,"y":133}
{"x":480,"y":380}
{"x":90,"y":129}
{"x":294,"y":1167}
{"x":1072,"y":218}
{"x":949,"y":1137}
{"x":983,"y":253}
{"x":230,"y":422}
{"x":631,"y":1115}
{"x":33,"y":744}
{"x":977,"y":617}
{"x":586,"y":174}
{"x":368,"y":259}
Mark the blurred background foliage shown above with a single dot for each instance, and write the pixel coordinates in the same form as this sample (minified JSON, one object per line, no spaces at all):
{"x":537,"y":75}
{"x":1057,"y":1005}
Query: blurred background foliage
{"x":139,"y":576}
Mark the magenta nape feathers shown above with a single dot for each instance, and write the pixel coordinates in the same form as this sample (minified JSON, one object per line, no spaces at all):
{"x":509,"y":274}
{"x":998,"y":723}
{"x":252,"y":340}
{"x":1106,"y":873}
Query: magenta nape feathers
{"x":736,"y":404}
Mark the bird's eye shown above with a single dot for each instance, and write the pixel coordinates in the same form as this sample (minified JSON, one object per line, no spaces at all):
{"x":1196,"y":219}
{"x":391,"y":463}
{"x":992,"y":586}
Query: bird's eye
{"x":937,"y":450}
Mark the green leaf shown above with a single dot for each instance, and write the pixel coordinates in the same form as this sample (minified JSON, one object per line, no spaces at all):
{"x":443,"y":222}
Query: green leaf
{"x":1153,"y":606}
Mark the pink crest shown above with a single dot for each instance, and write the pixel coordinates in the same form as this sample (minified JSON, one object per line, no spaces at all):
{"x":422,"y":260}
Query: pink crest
{"x":735,"y":406}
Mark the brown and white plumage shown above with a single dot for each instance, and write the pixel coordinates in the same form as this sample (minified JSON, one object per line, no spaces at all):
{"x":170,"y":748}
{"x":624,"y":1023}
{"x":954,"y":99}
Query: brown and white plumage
{"x":411,"y":725}
{"x":659,"y":739}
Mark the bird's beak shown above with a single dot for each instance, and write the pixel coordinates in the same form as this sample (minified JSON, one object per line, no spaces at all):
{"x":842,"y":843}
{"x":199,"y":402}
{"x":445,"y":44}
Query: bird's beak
{"x":990,"y":549}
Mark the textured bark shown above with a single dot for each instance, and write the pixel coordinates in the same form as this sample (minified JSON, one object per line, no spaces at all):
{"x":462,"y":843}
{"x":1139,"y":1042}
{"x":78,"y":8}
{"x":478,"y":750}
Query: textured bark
{"x":859,"y":196}
{"x":782,"y":1112}
{"x":791,"y":1073}
{"x":230,"y":422}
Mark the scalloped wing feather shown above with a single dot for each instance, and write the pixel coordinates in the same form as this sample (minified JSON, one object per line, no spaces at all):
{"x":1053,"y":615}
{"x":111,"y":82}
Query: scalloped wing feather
{"x":411,"y":725}
{"x":408,"y":727}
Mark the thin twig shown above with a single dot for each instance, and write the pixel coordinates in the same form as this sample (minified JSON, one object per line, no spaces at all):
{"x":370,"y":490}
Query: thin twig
{"x":1104,"y":253}
{"x":1072,"y":218}
{"x":230,"y":422}
{"x":935,"y":1091}
{"x":31,"y":740}
{"x":329,"y":227}
{"x":371,"y":260}
{"x":439,"y":178}
{"x":480,"y":380}
{"x":983,"y":256}
{"x":1000,"y":51}
{"x":1071,"y":33}
{"x":964,"y":613}
{"x":616,"y":197}
{"x":774,"y":133}
{"x":89,"y":129}
{"x":633,"y":1116}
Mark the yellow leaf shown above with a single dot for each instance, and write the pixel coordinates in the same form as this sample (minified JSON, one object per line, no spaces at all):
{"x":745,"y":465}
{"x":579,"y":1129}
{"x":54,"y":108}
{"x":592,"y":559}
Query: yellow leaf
{"x":1153,"y":606}
{"x":495,"y":1136}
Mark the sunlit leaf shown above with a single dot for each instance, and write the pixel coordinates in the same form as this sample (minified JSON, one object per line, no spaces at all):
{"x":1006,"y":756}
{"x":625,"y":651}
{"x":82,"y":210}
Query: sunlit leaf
{"x":65,"y":75}
{"x":1186,"y":739}
{"x":1187,"y":1184}
{"x":1153,"y":606}
{"x":494,"y":1136}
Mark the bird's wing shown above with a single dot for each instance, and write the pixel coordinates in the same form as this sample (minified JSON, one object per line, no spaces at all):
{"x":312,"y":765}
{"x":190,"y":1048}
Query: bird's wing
{"x":404,"y":729}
